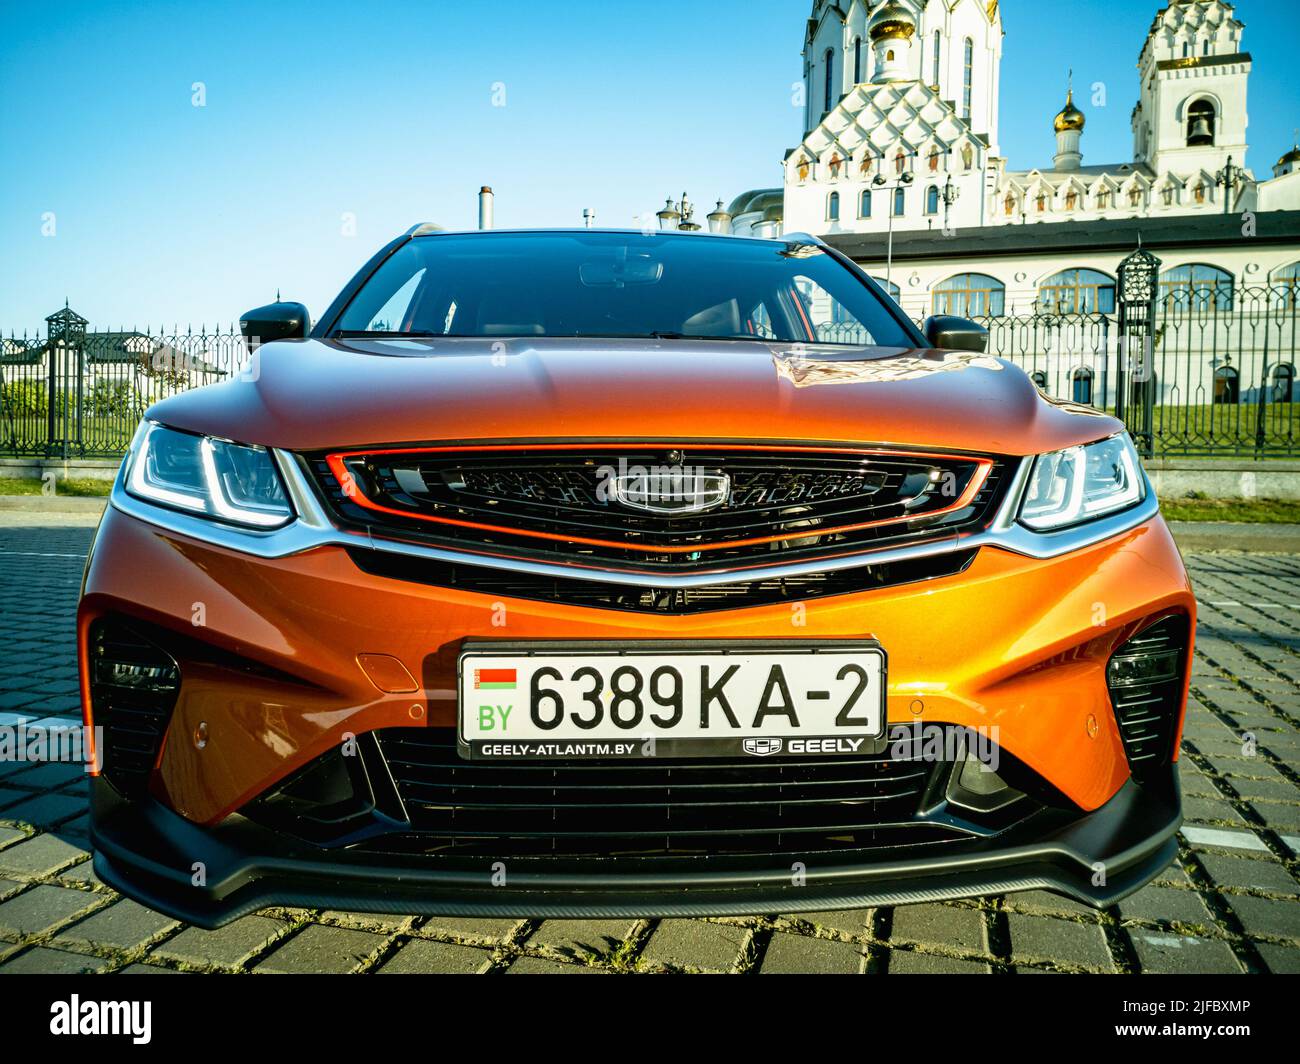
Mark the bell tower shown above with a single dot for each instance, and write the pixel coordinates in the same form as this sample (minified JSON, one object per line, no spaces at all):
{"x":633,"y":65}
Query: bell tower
{"x":1191,"y":112}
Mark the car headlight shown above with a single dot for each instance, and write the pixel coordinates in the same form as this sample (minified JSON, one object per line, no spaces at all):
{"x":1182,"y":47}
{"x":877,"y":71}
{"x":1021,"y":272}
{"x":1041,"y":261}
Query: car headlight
{"x":207,"y":476}
{"x":1083,"y":483}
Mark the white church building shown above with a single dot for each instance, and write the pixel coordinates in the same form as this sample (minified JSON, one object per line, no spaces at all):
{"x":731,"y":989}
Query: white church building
{"x":900,"y":148}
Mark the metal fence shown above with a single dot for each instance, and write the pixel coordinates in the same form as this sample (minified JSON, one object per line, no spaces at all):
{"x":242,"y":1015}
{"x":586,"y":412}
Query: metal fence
{"x":75,"y":392}
{"x":1190,"y":373}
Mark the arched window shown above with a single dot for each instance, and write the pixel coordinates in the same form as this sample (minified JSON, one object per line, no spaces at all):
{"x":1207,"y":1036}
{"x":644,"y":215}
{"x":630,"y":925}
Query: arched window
{"x":1196,"y":286}
{"x":968,"y":78}
{"x":1227,"y":386}
{"x":888,"y":286}
{"x":970,"y":295}
{"x":1187,"y":49}
{"x":857,"y":61}
{"x":1286,"y":287}
{"x":1040,"y":379}
{"x":1205,"y":46}
{"x":833,"y":207}
{"x":932,"y":200}
{"x":934,"y":59}
{"x":864,"y":204}
{"x":1200,"y":124}
{"x":1283,"y":383}
{"x":1077,"y":292}
{"x":1081,"y":386}
{"x":830,"y":80}
{"x":900,"y":202}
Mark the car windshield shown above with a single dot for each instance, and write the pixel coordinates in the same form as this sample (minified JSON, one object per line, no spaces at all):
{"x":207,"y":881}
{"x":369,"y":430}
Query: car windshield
{"x":605,"y":284}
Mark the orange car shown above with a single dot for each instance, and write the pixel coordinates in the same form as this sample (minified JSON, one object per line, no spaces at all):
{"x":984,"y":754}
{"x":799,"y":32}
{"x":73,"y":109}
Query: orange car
{"x":594,"y":573}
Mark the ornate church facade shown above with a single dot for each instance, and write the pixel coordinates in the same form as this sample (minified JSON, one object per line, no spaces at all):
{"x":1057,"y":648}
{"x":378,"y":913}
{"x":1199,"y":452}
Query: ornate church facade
{"x":900,"y":117}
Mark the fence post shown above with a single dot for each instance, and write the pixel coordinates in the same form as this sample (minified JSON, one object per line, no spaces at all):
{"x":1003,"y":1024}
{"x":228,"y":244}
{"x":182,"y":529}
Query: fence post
{"x":1136,"y":386}
{"x":65,"y":337}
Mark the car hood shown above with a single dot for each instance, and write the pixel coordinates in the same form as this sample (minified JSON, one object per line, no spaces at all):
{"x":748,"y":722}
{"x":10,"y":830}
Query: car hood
{"x":314,"y":395}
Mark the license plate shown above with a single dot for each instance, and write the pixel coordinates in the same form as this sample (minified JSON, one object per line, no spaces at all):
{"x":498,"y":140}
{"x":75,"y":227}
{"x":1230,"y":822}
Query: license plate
{"x":631,"y":700}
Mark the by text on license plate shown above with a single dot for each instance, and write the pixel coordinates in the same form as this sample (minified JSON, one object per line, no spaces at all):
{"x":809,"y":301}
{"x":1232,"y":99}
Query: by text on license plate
{"x":631,"y":700}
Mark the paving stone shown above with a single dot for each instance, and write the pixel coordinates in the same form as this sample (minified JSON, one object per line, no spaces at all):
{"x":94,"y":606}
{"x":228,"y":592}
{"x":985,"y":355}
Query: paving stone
{"x":582,"y":936}
{"x":1060,"y":941}
{"x":487,"y":930}
{"x":39,"y":856}
{"x":125,"y":924}
{"x":1044,"y":901}
{"x":540,"y":966}
{"x":1163,"y":952}
{"x":1281,"y":960}
{"x":52,"y":775}
{"x":389,"y":922}
{"x":42,"y":907}
{"x":47,"y":810}
{"x":1260,"y":916}
{"x":230,"y":945}
{"x":789,"y":954}
{"x":907,"y":962}
{"x":44,"y":961}
{"x":1278,"y":816}
{"x":948,"y":926}
{"x":10,"y":835}
{"x":1249,"y":874}
{"x":320,"y":949}
{"x":150,"y":969}
{"x":1208,"y":810}
{"x":1164,"y":904}
{"x":421,"y":956}
{"x":850,"y":921}
{"x":695,"y":944}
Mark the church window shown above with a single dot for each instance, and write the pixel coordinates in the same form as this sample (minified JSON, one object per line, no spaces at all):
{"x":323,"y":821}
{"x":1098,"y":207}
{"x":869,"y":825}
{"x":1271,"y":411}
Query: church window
{"x":900,"y":202}
{"x":1205,"y":46}
{"x":1009,"y":204}
{"x":1077,"y":292}
{"x":1041,"y":203}
{"x":1103,"y":199}
{"x":1134,"y":196}
{"x":830,"y":80}
{"x":1071,"y":200}
{"x":1200,"y":192}
{"x":1196,"y":286}
{"x":1286,"y":287}
{"x":889,"y":56}
{"x":1167,"y":194}
{"x":833,"y":207}
{"x":1081,"y":386}
{"x":970,"y":295}
{"x":934,"y":59}
{"x":967,"y":79}
{"x":932,"y":200}
{"x":864,"y":204}
{"x":857,"y":61}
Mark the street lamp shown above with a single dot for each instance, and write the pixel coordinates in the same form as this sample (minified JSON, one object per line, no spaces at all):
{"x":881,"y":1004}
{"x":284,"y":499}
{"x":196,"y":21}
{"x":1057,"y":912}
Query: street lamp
{"x":1227,"y":179}
{"x":880,"y":181}
{"x":680,"y":215}
{"x":951,"y":193}
{"x":719,"y":219}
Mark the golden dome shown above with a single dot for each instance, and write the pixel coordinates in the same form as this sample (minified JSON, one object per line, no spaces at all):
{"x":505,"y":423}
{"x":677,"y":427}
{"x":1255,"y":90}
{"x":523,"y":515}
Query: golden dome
{"x":1069,"y":117}
{"x":892,"y":21}
{"x":1291,"y":158}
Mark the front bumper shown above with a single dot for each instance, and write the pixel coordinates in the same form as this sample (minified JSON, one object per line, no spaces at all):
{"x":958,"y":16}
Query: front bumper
{"x":153,"y":855}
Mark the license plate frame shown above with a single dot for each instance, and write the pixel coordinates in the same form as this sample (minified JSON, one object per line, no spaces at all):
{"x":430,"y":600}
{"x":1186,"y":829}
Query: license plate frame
{"x":667,"y":745}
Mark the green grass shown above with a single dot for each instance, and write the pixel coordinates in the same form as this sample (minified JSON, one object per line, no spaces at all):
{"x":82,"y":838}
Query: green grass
{"x":1238,"y":511}
{"x":79,"y":487}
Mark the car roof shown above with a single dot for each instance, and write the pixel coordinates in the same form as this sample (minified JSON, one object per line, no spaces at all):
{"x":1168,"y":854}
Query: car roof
{"x":430,"y":229}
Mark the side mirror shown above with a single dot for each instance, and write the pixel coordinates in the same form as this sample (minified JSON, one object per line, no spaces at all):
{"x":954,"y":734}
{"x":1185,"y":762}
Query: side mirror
{"x":276,"y":321}
{"x":955,"y":334}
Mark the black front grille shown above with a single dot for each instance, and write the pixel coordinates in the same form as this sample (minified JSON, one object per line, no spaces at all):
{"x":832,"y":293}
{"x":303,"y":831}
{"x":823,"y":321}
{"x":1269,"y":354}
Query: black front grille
{"x":604,"y":595}
{"x":647,"y":807}
{"x":777,"y":505}
{"x":133,"y":688}
{"x":1145,"y":677}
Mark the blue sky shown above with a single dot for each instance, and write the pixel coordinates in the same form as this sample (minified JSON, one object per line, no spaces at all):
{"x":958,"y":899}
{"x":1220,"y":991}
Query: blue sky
{"x":383,"y":112}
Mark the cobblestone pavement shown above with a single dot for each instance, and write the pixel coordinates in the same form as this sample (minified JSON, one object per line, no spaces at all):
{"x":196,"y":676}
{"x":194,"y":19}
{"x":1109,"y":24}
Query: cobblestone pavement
{"x":1231,"y":903}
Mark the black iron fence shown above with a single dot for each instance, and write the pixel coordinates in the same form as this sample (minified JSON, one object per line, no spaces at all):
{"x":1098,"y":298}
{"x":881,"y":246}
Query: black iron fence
{"x":1199,"y":374}
{"x":75,"y":392}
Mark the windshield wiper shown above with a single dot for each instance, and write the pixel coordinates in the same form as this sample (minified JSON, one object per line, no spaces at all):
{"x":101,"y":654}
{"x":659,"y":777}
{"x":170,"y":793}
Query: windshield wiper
{"x":380,"y":334}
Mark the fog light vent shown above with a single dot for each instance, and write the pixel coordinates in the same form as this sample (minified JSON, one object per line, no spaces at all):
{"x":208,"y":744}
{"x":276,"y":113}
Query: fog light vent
{"x":1145,"y":678}
{"x":133,"y":689}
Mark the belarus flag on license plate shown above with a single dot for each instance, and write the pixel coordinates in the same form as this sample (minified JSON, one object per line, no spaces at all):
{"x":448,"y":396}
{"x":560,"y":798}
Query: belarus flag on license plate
{"x":495,"y":679}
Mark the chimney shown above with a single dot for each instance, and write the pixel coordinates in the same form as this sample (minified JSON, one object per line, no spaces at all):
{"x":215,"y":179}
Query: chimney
{"x":485,"y":200}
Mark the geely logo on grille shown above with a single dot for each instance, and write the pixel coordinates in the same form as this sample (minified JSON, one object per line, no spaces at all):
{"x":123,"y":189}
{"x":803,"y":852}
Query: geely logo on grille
{"x":763,"y":747}
{"x":669,"y":489}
